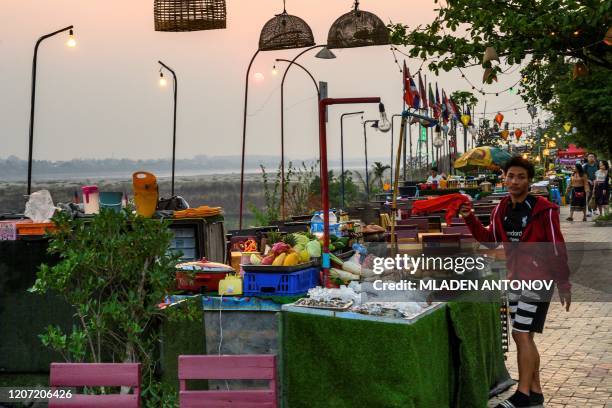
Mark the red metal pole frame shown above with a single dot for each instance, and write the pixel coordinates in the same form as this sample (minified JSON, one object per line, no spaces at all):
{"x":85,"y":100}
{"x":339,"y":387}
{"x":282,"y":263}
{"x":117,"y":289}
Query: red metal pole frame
{"x":323,"y":104}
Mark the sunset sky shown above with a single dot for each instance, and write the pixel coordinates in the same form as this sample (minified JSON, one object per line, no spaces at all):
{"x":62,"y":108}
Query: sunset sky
{"x":102,"y":98}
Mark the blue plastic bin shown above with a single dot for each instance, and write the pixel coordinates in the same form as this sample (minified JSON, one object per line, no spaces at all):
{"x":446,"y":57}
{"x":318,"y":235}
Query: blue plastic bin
{"x":280,"y":284}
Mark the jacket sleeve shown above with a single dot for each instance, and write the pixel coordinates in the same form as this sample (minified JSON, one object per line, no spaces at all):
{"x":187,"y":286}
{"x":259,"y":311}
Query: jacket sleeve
{"x":559,"y":264}
{"x":483,"y":235}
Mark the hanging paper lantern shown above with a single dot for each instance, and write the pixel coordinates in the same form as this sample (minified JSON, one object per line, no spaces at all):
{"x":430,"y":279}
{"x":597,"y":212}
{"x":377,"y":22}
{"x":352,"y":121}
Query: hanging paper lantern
{"x":490,"y":55}
{"x":504,"y":134}
{"x":466,"y":119}
{"x":567,"y":126}
{"x":518,"y":133}
{"x":499,"y":118}
{"x":608,"y":37}
{"x":580,"y":70}
{"x":488,"y":76}
{"x":574,"y":130}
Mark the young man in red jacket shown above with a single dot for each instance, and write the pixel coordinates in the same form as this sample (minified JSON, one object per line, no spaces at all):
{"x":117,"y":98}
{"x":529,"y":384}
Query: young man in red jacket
{"x":528,"y":227}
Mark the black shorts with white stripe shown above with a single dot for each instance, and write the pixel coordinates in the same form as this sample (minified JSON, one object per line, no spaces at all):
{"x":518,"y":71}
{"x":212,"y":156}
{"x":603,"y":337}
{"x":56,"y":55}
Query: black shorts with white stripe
{"x":528,"y":310}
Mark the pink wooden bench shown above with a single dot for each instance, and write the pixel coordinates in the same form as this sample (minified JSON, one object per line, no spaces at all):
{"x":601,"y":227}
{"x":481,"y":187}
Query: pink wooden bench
{"x":70,"y":375}
{"x":235,"y":367}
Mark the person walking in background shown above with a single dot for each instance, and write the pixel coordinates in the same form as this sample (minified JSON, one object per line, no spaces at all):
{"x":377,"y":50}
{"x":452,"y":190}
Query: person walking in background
{"x":590,"y":168}
{"x":579,"y":185}
{"x":602,"y":187}
{"x":528,"y":228}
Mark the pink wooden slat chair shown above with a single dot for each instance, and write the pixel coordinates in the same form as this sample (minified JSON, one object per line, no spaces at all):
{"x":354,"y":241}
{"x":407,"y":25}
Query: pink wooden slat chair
{"x":457,"y":221}
{"x":69,"y":375}
{"x":235,"y":367}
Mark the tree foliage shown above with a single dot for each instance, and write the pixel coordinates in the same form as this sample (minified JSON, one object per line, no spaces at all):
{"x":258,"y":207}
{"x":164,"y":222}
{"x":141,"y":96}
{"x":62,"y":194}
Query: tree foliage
{"x":114,"y":271}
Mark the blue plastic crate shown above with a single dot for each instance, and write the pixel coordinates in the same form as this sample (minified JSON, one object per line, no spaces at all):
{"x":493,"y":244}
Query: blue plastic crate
{"x":280,"y":284}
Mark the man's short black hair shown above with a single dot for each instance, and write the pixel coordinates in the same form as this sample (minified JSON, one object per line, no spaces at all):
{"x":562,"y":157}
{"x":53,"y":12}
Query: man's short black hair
{"x":591,"y":153}
{"x":518,"y":161}
{"x":434,"y":168}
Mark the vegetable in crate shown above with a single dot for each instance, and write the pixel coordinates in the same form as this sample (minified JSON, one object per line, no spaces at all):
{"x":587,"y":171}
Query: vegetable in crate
{"x":290,"y":240}
{"x":314,"y":249}
{"x":255,"y":259}
{"x":301,"y":239}
{"x":344,"y":275}
{"x":279,"y":248}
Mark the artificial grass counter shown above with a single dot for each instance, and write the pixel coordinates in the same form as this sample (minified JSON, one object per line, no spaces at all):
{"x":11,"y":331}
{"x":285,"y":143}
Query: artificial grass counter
{"x":451,"y":357}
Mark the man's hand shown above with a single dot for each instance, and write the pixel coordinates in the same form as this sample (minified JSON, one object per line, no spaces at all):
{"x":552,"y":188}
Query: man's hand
{"x":566,"y":300}
{"x":465,"y":209}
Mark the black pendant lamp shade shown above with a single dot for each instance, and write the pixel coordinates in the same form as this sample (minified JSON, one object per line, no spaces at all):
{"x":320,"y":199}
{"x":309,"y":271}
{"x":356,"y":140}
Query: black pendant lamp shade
{"x":358,"y":28}
{"x":285,"y":31}
{"x":189,"y":15}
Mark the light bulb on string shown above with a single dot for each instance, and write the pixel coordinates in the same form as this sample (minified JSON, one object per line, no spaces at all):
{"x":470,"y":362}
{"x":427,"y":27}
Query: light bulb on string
{"x":71,"y":43}
{"x":162,"y":80}
{"x":258,"y":77}
{"x":274,"y":70}
{"x":384,"y":125}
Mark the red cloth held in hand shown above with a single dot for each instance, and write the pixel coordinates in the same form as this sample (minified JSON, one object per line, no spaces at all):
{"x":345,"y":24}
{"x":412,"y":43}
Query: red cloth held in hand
{"x":449,"y":202}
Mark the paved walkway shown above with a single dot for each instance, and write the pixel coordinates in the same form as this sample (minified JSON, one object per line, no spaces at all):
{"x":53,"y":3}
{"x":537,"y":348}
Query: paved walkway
{"x":576,"y":347}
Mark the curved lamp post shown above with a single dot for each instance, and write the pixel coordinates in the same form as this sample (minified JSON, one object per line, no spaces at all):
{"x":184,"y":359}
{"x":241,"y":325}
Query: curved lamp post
{"x":342,"y":181}
{"x":281,"y":32}
{"x":175,"y":86}
{"x":323,"y":54}
{"x":365,"y":144}
{"x":70,"y":43}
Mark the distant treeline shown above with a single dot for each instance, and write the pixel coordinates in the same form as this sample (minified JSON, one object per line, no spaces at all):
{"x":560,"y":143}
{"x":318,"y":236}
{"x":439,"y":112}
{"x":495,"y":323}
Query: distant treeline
{"x":13,"y":168}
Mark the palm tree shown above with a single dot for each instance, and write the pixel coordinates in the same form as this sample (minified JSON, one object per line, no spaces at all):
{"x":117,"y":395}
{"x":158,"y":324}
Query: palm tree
{"x":379,"y":171}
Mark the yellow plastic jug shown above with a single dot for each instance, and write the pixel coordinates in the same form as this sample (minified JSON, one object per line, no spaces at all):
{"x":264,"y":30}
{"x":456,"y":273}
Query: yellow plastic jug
{"x":146,"y":193}
{"x":231,"y":285}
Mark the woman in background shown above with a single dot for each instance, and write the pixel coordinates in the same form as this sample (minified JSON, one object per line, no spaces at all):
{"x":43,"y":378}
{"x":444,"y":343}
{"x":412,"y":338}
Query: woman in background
{"x":580,"y":189}
{"x":602,"y":187}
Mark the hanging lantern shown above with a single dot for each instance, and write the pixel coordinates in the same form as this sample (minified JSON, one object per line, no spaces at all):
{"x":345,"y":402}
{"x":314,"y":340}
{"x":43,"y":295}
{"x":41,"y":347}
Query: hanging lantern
{"x":518,"y":133}
{"x":574,"y":130}
{"x":490,"y":55}
{"x":608,"y":37}
{"x":504,"y":134}
{"x":489,"y":76}
{"x":465,"y":120}
{"x":499,"y":118}
{"x":358,"y":28}
{"x":580,"y":70}
{"x":567,"y":126}
{"x":189,"y":15}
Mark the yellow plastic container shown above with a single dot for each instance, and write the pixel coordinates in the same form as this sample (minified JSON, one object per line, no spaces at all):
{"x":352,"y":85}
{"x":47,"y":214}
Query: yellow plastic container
{"x":146,"y":193}
{"x":231,"y":285}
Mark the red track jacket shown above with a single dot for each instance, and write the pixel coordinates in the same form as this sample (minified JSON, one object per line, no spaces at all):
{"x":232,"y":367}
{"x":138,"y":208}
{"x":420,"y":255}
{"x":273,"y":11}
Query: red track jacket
{"x":525,"y":261}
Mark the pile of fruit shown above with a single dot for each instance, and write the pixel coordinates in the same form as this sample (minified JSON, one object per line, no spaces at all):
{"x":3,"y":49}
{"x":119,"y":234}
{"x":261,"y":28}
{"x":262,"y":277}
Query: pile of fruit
{"x":295,"y":249}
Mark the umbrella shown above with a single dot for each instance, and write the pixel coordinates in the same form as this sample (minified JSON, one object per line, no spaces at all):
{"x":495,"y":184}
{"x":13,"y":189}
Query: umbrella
{"x":484,"y":156}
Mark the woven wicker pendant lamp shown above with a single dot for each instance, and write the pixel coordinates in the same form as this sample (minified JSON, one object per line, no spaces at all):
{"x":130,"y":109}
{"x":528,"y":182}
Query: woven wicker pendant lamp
{"x":189,"y":15}
{"x":285,"y":31}
{"x":358,"y":28}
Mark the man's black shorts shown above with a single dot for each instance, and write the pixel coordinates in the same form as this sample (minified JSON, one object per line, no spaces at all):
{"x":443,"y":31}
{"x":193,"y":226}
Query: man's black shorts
{"x":528,"y":310}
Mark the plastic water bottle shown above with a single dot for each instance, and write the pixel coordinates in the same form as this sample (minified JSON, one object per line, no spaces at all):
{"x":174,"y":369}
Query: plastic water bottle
{"x":316,"y":223}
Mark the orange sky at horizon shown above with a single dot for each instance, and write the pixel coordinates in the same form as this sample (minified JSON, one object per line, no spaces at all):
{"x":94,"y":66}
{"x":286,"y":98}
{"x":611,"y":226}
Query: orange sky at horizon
{"x":104,"y":93}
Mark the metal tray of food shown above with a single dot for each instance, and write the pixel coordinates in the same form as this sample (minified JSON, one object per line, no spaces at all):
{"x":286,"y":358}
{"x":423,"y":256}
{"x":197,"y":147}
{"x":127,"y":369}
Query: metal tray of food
{"x":335,"y":304}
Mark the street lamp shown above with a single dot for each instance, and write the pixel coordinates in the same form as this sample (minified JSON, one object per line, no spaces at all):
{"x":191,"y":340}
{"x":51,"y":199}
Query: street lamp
{"x":365,"y":145}
{"x":71,"y":43}
{"x":281,"y":32}
{"x":327,"y":55}
{"x":163,"y":82}
{"x":342,"y":186}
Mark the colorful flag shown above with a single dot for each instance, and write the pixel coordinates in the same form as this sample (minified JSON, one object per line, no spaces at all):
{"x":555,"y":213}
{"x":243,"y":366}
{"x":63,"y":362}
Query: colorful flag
{"x":432,"y":99}
{"x":455,"y":109}
{"x":437,"y":110}
{"x":411,"y":93}
{"x":445,"y":107}
{"x":422,"y":92}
